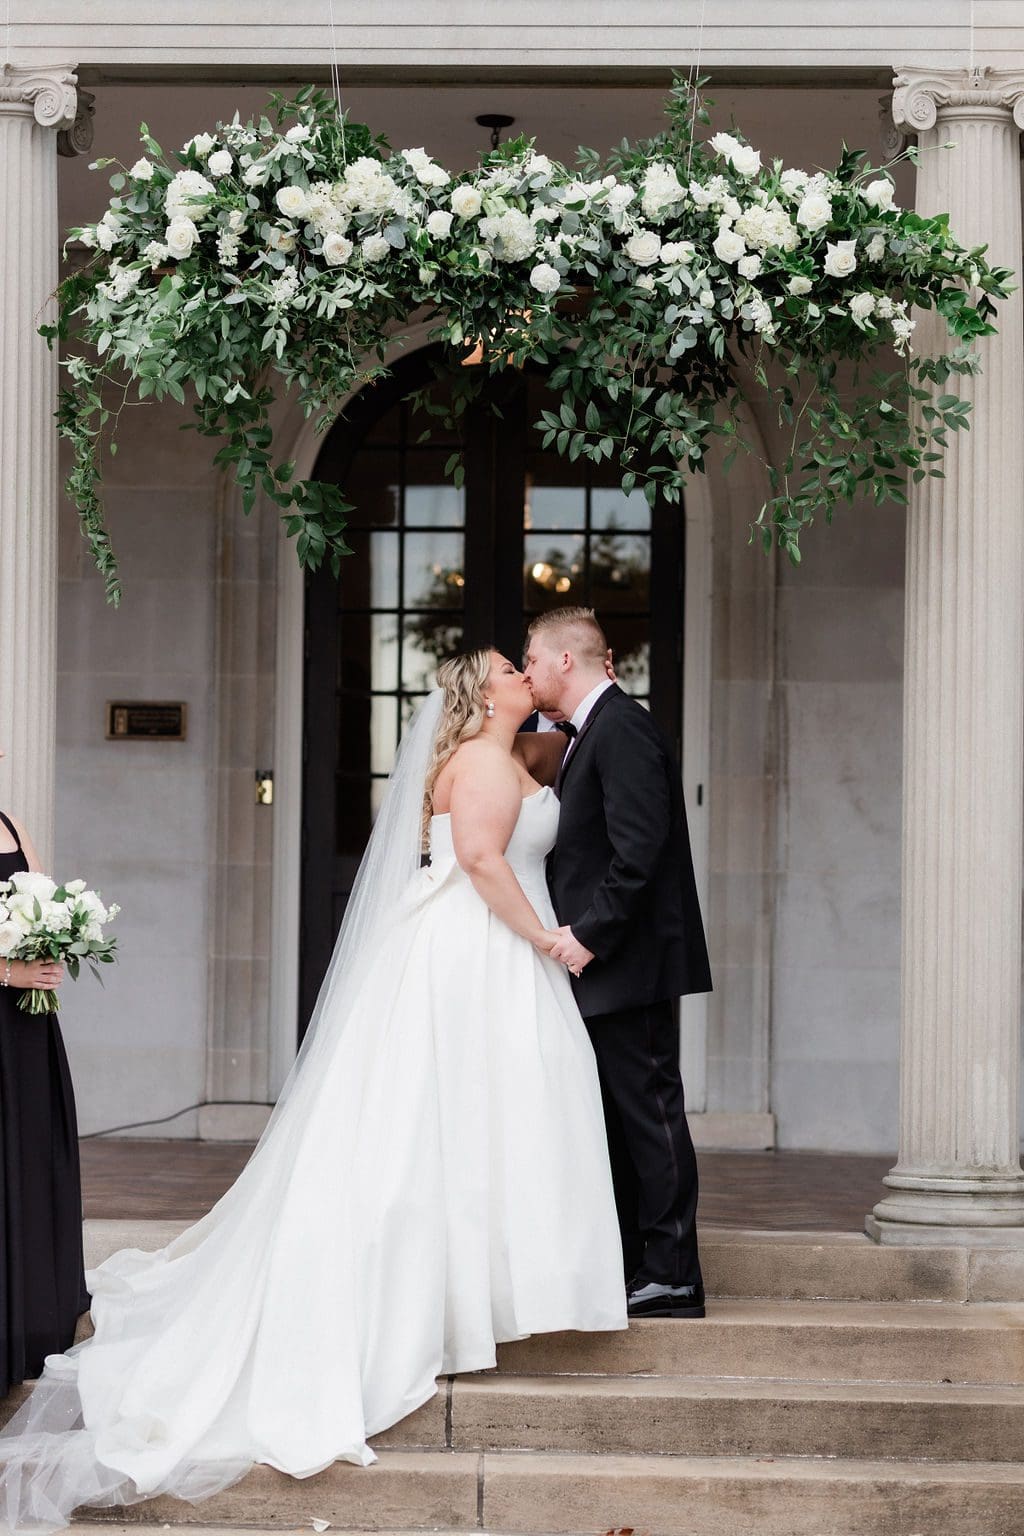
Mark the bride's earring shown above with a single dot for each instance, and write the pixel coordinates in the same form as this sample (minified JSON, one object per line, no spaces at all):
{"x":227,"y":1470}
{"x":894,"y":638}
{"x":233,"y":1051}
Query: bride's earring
{"x":490,"y":710}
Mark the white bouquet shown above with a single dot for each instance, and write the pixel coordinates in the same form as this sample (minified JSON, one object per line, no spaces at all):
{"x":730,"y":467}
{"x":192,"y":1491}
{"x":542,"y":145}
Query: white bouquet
{"x":40,"y":920}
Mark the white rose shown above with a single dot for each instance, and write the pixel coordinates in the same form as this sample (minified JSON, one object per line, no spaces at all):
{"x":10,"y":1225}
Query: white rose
{"x":814,"y":212}
{"x":539,"y":165}
{"x":292,"y":201}
{"x":644,"y":247}
{"x":619,"y":197}
{"x":729,"y":246}
{"x":220,"y":163}
{"x":748,"y":266}
{"x":10,"y":937}
{"x":545,"y":278}
{"x":74,"y":887}
{"x":279,"y":239}
{"x":298,"y":134}
{"x":798,"y":286}
{"x":257,"y":174}
{"x":202,"y":143}
{"x":236,"y":220}
{"x":91,"y":905}
{"x":31,"y":883}
{"x":744,"y":160}
{"x":645,"y":281}
{"x":840,"y":258}
{"x":677,"y":252}
{"x":179,"y":237}
{"x":706,"y":299}
{"x":337,"y":250}
{"x":142,"y":170}
{"x":862,"y":305}
{"x":374,"y":248}
{"x":466,"y":202}
{"x":793,"y":182}
{"x":879,"y":194}
{"x":439,"y":224}
{"x":875,"y":249}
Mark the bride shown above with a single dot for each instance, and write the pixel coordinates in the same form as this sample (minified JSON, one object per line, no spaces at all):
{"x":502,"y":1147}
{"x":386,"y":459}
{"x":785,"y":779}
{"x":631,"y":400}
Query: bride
{"x":434,"y":1178}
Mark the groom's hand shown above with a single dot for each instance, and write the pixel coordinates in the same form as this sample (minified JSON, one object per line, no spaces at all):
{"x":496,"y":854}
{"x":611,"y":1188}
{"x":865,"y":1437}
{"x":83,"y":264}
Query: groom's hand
{"x":568,"y":950}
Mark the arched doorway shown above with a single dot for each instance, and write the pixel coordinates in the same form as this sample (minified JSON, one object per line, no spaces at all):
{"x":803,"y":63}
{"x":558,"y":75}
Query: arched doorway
{"x":435,"y":568}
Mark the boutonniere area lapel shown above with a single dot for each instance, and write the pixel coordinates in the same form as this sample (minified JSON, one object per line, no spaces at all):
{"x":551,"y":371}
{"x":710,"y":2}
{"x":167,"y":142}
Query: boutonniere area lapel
{"x":660,"y":285}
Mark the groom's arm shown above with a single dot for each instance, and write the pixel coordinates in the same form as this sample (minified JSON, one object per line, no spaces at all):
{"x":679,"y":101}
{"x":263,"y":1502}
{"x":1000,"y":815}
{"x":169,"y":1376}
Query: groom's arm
{"x":634,"y":773}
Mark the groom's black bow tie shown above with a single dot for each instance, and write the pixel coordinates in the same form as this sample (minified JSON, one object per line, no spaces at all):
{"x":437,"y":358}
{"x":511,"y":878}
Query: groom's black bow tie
{"x":566,"y":727}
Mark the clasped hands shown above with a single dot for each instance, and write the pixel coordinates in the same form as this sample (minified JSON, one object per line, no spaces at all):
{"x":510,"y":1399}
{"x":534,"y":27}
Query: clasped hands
{"x":567,"y":949}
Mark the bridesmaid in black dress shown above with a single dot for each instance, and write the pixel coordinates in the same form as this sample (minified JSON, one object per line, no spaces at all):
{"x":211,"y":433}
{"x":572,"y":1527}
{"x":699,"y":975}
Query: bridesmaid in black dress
{"x":42,"y":1275}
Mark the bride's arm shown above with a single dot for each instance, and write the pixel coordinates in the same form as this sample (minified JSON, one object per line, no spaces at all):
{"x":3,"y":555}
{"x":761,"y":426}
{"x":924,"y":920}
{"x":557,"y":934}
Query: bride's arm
{"x":485,"y":802}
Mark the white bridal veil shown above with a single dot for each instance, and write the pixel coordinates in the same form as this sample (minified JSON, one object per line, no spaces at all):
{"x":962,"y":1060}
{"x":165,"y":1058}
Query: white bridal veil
{"x":149,"y":1405}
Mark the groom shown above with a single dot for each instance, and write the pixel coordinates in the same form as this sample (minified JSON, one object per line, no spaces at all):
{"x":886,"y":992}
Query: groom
{"x":621,"y":880}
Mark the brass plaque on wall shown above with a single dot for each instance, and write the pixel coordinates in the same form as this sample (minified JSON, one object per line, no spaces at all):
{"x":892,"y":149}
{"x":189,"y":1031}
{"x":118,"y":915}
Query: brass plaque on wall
{"x":146,"y":721}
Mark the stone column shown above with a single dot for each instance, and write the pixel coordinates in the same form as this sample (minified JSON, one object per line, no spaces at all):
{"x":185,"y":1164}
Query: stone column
{"x":35,"y":106}
{"x":958,"y":1179}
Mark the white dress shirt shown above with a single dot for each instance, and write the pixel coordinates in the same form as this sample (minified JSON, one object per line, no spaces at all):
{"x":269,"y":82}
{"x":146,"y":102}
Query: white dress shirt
{"x":581,"y":714}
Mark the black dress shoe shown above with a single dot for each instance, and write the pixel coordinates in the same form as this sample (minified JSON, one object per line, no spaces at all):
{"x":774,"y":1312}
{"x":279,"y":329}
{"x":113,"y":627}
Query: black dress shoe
{"x":651,"y":1299}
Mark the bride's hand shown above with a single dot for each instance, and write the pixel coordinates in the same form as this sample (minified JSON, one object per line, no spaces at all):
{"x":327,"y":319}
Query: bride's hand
{"x":545,"y":941}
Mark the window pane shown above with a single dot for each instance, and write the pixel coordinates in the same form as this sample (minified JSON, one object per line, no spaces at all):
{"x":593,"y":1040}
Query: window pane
{"x":553,"y":572}
{"x":612,"y":509}
{"x":620,"y":571}
{"x":434,"y":567}
{"x":383,"y":734}
{"x":430,"y":497}
{"x":383,"y":552}
{"x":429,"y":638}
{"x":371,"y":485}
{"x":352,"y":814}
{"x":631,"y":652}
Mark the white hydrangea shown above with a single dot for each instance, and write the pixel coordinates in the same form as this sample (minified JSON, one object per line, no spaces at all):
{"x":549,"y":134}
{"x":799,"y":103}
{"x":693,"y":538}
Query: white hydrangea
{"x":761,"y":314}
{"x":284,"y":288}
{"x":862,"y":305}
{"x":511,"y":235}
{"x":545,"y":213}
{"x":292,"y":201}
{"x":323,"y":211}
{"x":439,"y":223}
{"x":545,"y":278}
{"x":884,"y":307}
{"x":748,"y":266}
{"x":798,"y":286}
{"x":875,"y":248}
{"x":337,"y":249}
{"x":142,"y":170}
{"x":744,"y":160}
{"x":814,"y":212}
{"x":840,"y":257}
{"x":728,"y":246}
{"x":368,"y":188}
{"x":227,"y":248}
{"x":644,"y":247}
{"x":767,"y":228}
{"x":466,"y":201}
{"x":156,"y":253}
{"x":662,"y":191}
{"x":109,"y":230}
{"x":374,"y":248}
{"x":677,"y":253}
{"x":187,"y":191}
{"x":220,"y":163}
{"x":793,"y":182}
{"x":879,"y":194}
{"x":180,"y":236}
{"x":619,"y":197}
{"x":121,"y":282}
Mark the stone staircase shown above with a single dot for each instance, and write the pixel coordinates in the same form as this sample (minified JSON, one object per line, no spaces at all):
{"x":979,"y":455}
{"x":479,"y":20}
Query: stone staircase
{"x":835,"y":1389}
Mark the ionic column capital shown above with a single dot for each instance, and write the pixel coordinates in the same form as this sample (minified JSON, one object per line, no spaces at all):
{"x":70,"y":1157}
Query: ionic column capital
{"x":922,"y":96}
{"x":48,"y":94}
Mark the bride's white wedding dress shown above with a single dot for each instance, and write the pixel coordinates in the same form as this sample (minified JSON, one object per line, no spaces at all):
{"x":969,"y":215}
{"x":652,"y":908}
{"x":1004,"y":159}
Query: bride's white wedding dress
{"x":436,"y":1181}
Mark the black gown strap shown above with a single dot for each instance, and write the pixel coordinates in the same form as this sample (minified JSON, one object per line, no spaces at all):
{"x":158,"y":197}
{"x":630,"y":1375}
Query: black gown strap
{"x":12,"y":829}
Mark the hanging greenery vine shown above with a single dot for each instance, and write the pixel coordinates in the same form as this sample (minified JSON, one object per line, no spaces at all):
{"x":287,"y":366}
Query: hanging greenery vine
{"x":656,"y":283}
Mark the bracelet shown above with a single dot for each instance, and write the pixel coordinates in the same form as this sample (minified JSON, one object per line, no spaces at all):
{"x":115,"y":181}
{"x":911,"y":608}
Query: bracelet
{"x":6,"y":976}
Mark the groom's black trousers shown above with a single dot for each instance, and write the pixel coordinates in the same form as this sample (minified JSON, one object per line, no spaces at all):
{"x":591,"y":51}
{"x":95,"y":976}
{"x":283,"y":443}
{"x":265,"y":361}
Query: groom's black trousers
{"x":654,"y":1168}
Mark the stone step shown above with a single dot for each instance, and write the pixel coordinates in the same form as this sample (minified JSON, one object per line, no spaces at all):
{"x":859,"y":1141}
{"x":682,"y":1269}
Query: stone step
{"x":792,"y":1266}
{"x":693,"y":1416}
{"x":815,"y":1341}
{"x":535,"y":1492}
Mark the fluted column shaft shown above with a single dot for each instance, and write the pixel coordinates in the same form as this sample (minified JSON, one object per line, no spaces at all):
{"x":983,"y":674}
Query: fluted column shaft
{"x":958,"y":1178}
{"x":34,"y":104}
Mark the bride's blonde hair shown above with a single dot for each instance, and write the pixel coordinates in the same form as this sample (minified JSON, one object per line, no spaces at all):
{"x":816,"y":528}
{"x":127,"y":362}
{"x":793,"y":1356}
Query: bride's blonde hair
{"x":462,"y":679}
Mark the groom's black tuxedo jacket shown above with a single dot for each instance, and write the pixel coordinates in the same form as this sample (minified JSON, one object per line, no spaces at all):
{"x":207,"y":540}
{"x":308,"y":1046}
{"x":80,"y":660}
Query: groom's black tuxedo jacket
{"x":621,"y":873}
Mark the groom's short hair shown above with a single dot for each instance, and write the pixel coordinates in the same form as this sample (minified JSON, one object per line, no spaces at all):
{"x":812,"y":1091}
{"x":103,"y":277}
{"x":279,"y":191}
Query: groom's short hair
{"x":575,"y":628}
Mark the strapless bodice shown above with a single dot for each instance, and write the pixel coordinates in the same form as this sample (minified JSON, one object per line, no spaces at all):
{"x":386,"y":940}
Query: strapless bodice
{"x":532,"y":839}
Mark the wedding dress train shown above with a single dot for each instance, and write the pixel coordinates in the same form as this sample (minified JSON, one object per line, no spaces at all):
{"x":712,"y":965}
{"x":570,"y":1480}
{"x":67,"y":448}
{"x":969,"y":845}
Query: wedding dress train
{"x":436,"y":1181}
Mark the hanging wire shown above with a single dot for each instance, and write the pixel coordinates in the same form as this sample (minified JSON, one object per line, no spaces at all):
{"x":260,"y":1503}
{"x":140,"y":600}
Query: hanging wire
{"x":692,"y":78}
{"x":970,"y":66}
{"x":335,"y":80}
